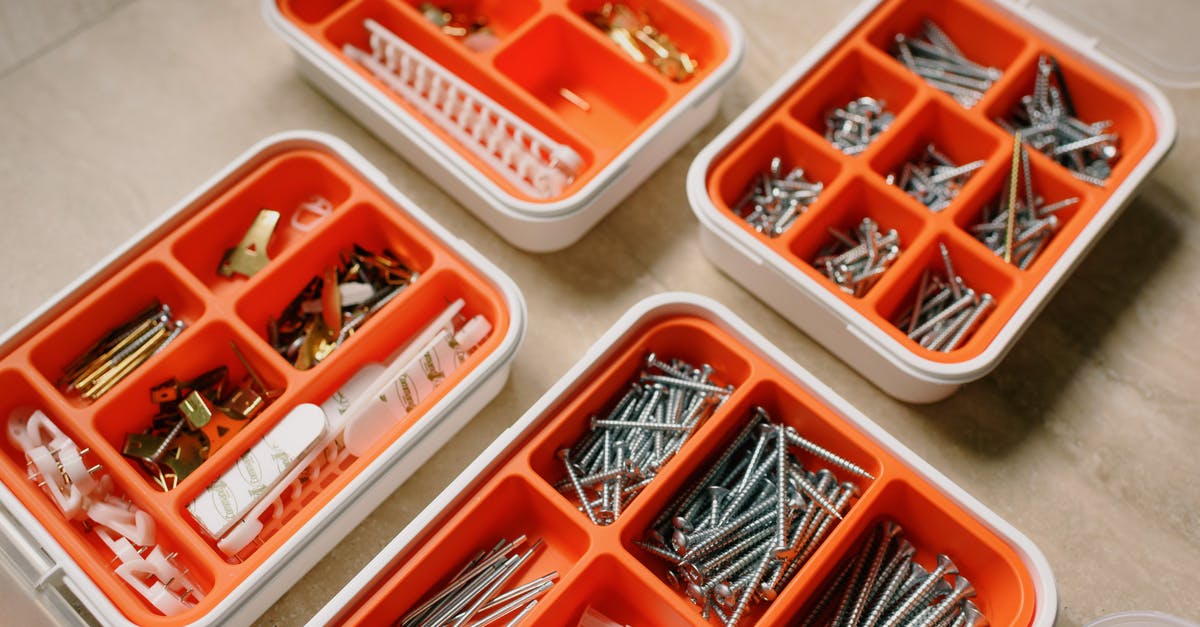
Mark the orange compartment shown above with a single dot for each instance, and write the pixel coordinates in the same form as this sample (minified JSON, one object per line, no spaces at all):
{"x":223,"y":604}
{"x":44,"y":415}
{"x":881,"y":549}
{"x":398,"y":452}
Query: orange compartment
{"x":861,"y":64}
{"x":845,"y":211}
{"x":936,"y":526}
{"x":281,"y":185}
{"x":177,"y":265}
{"x":134,"y":289}
{"x":543,"y":47}
{"x":601,"y":567}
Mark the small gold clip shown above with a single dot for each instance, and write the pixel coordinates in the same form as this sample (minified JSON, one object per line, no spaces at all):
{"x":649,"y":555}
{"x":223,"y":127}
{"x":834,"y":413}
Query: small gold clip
{"x":196,"y":409}
{"x":250,"y":256}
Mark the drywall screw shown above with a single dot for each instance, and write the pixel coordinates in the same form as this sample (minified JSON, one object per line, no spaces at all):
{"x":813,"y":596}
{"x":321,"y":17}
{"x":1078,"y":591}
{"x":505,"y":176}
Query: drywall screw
{"x":940,"y":62}
{"x":945,"y":311}
{"x":565,"y":456}
{"x":856,"y":263}
{"x":963,"y":590}
{"x":852,"y":127}
{"x":773,"y":200}
{"x":1047,"y":121}
{"x":932,"y":179}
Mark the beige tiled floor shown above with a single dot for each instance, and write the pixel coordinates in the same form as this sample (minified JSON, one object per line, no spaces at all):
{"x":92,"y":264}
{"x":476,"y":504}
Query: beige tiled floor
{"x":1085,"y":438}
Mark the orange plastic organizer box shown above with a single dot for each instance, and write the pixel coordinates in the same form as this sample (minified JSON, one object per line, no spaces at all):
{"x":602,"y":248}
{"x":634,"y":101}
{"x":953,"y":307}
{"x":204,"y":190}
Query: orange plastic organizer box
{"x":510,"y":490}
{"x":857,"y":61}
{"x":550,"y":67}
{"x":177,"y":262}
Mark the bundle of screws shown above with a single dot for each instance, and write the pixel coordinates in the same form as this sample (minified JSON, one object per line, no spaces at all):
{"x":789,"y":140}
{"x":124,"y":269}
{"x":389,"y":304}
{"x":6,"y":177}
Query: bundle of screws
{"x":883,"y":585}
{"x":944,"y":67}
{"x":1033,"y":221}
{"x":1047,"y":121}
{"x":853,"y":127}
{"x":473,"y":30}
{"x":623,"y":452}
{"x":477,"y":595}
{"x":933,"y":179}
{"x":741,"y":531}
{"x":856,"y":261}
{"x":773,"y":200}
{"x":119,"y":354}
{"x":638,"y":38}
{"x":333,"y":306}
{"x":195,"y":419}
{"x":945,"y":311}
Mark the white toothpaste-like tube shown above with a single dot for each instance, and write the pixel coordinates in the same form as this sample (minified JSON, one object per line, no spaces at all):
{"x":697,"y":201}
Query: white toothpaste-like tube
{"x":415,"y":381}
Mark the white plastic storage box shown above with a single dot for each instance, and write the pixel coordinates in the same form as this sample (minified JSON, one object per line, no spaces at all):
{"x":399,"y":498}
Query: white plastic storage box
{"x":103,"y":556}
{"x":510,"y":489}
{"x":592,"y":122}
{"x":855,"y":60}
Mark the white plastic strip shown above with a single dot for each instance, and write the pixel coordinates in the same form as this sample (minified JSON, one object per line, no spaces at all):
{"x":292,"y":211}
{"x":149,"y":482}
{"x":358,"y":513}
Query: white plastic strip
{"x":537,"y":165}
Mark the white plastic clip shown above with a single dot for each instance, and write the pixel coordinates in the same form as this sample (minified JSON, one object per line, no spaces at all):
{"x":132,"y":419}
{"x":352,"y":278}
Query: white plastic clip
{"x":124,"y":518}
{"x":310,"y":213}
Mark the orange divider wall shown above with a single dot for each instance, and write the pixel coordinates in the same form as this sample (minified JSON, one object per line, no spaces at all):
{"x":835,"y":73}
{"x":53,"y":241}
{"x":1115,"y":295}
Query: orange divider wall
{"x":862,"y":65}
{"x":543,"y":46}
{"x":601,"y":566}
{"x":180,"y":269}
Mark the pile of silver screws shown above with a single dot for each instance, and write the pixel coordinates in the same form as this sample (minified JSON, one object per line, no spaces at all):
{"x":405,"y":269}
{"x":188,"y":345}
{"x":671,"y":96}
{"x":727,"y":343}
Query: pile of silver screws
{"x":740,"y":532}
{"x":855,"y":261}
{"x":945,"y":311}
{"x":937,"y":60}
{"x":933,"y":179}
{"x":1047,"y":121}
{"x":883,"y":586}
{"x":476,"y":595}
{"x":853,"y":127}
{"x":774,"y":200}
{"x":622,"y":453}
{"x":1033,"y":219}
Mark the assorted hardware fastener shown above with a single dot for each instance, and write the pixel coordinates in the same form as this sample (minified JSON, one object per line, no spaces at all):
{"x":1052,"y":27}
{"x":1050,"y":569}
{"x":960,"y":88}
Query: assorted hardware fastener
{"x":87,"y":495}
{"x":774,"y":200}
{"x":1033,"y":220}
{"x":250,"y":255}
{"x":638,"y":38}
{"x":945,"y":311}
{"x":856,"y":260}
{"x":473,"y":30}
{"x":122,"y":350}
{"x":851,"y":128}
{"x":933,"y":179}
{"x":623,"y":452}
{"x":884,"y":585}
{"x":480,"y":594}
{"x":1048,"y":122}
{"x":333,"y":306}
{"x":740,"y":532}
{"x":535,"y":164}
{"x":944,"y":67}
{"x":195,"y":419}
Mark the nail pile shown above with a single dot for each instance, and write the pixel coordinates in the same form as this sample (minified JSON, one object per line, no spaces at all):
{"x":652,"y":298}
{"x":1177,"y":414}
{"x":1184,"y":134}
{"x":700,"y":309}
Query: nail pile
{"x":853,"y":127}
{"x":1033,"y":220}
{"x":946,"y":311}
{"x":938,"y":60}
{"x":774,"y":200}
{"x":473,"y":30}
{"x":855,"y":261}
{"x":638,"y":38}
{"x":195,"y":419}
{"x":1047,"y":121}
{"x":115,"y":357}
{"x":623,"y":452}
{"x":477,"y":594}
{"x":333,"y":306}
{"x":884,"y":586}
{"x":740,"y":533}
{"x":933,"y":179}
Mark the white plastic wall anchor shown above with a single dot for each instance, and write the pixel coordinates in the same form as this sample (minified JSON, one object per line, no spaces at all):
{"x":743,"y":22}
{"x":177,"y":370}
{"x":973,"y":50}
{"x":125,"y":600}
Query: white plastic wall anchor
{"x":535,"y":164}
{"x":123,"y":518}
